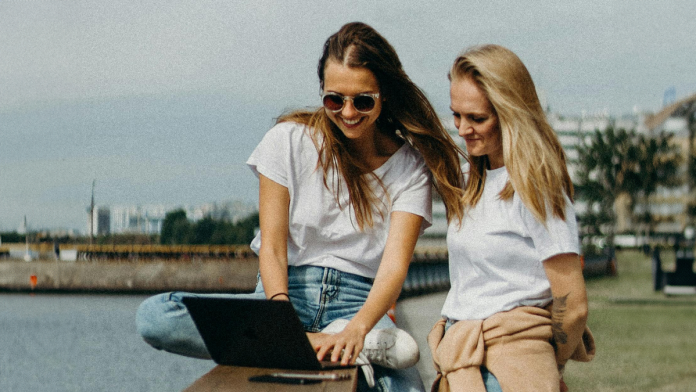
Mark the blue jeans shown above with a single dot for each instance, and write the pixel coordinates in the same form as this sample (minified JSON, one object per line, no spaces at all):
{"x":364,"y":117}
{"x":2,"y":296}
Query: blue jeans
{"x":319,"y":295}
{"x":489,"y":380}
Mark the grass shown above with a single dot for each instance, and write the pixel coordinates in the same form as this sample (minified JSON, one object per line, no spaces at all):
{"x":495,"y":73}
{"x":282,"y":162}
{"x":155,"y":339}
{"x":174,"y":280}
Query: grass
{"x":645,"y":340}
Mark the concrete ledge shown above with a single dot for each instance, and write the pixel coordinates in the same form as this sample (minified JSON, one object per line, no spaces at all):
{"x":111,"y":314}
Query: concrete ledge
{"x":130,"y":276}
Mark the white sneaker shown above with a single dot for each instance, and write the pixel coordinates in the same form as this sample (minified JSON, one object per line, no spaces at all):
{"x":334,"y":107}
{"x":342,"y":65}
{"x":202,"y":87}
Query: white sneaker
{"x":389,"y":347}
{"x":367,"y":369}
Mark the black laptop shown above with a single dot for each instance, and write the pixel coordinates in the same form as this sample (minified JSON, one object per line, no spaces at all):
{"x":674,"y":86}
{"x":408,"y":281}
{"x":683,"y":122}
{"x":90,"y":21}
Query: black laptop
{"x":254,"y":333}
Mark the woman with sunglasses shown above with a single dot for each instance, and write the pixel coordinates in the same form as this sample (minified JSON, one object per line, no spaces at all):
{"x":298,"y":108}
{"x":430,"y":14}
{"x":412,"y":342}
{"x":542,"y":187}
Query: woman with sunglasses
{"x":517,"y":306}
{"x":344,"y":192}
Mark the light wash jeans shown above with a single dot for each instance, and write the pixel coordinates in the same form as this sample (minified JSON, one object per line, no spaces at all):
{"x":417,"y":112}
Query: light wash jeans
{"x":319,"y":295}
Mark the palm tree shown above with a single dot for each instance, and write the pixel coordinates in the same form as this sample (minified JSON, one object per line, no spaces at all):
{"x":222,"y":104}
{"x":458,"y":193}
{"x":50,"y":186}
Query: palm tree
{"x":607,"y":174}
{"x":618,"y":173}
{"x":691,"y":165}
{"x":658,"y":165}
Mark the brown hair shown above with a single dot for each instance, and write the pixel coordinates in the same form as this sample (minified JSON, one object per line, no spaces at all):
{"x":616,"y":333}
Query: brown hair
{"x":532,"y":153}
{"x":405,"y":112}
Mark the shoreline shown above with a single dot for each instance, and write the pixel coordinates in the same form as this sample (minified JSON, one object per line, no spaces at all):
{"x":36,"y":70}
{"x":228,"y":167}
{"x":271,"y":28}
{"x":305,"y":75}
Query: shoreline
{"x":124,"y":276}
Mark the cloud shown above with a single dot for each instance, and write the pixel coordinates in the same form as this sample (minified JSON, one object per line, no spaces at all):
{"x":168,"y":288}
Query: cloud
{"x":166,"y":99}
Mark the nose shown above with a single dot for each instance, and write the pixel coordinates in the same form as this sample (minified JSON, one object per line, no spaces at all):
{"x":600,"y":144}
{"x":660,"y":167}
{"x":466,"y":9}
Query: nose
{"x":348,"y":110}
{"x":465,"y":128}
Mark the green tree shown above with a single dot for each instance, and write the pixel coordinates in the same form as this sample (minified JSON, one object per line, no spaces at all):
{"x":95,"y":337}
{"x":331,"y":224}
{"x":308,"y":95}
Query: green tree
{"x":203,"y":230}
{"x":691,"y":205}
{"x":620,"y":169}
{"x":691,"y":164}
{"x":225,"y":233}
{"x":12,"y":236}
{"x":176,"y":229}
{"x":658,"y":165}
{"x":606,"y":173}
{"x":247,"y":228}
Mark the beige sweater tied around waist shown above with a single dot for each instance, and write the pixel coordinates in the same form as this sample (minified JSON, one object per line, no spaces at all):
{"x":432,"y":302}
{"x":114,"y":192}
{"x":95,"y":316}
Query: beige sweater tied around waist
{"x":515,"y":346}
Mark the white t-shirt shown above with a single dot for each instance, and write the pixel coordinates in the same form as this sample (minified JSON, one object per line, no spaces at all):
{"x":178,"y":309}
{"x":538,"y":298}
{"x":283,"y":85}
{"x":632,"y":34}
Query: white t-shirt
{"x":496,"y":257}
{"x":321,"y":233}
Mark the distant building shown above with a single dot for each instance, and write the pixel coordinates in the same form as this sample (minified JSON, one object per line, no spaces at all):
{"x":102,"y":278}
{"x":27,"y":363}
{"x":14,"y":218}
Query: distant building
{"x":670,"y":205}
{"x":100,"y":221}
{"x":148,"y":219}
{"x":572,"y":131}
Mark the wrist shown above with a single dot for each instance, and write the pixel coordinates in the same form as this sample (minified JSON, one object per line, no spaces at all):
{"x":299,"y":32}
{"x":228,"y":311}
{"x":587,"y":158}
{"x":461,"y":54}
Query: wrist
{"x":280,"y":297}
{"x":359,"y":327}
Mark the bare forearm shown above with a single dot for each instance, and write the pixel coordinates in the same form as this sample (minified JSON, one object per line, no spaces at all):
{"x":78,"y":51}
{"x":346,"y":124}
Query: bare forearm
{"x":273,"y":220}
{"x":569,"y":309}
{"x":568,"y":316}
{"x":403,"y":232}
{"x":274,"y":274}
{"x":398,"y":252}
{"x":384,"y":293}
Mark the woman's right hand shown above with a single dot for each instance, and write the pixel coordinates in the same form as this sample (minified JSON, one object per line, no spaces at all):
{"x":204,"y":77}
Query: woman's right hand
{"x":344,"y":346}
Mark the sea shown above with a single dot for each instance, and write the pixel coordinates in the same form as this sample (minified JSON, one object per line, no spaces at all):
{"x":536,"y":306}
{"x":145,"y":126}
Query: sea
{"x":82,"y":342}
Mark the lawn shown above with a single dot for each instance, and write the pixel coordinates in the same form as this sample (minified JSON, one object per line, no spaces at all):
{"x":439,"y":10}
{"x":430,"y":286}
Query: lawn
{"x":645,"y":340}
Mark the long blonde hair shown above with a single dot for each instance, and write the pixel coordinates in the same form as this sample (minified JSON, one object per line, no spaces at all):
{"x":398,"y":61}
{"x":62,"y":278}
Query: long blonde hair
{"x":406,"y":113}
{"x":532,"y":153}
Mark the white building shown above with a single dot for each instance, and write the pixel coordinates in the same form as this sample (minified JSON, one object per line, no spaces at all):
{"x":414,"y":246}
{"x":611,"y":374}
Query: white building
{"x":670,"y":205}
{"x":99,"y":223}
{"x":148,"y":219}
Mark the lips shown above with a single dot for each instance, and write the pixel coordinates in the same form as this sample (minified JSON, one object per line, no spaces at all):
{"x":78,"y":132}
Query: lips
{"x":351,"y":123}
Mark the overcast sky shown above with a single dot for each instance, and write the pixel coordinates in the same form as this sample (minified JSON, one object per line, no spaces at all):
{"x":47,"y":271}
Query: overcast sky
{"x":163,"y":101}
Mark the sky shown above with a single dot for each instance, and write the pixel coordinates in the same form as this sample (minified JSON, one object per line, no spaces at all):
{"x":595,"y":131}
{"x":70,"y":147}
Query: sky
{"x":161,"y":102}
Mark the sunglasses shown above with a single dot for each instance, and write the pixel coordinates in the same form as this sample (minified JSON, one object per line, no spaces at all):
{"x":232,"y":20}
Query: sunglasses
{"x":363,"y":103}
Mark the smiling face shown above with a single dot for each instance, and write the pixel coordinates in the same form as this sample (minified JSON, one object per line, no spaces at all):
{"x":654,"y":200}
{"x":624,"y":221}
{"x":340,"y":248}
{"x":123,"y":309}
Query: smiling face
{"x":351,"y":81}
{"x":476,"y":121}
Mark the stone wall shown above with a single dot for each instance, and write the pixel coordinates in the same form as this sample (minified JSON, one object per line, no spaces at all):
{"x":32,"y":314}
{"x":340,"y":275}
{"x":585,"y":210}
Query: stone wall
{"x":130,"y":276}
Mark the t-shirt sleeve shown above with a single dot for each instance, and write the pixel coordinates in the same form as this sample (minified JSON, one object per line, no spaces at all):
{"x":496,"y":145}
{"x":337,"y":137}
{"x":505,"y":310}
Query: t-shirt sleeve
{"x":271,"y":155}
{"x":416,"y":196}
{"x":558,"y":236}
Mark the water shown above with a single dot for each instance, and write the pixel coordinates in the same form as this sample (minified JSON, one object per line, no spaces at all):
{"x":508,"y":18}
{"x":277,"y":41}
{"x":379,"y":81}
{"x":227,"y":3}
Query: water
{"x":55,"y":343}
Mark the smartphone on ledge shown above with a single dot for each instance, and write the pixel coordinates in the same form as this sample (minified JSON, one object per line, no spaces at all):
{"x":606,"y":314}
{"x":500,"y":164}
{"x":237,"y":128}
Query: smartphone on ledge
{"x":299,"y":378}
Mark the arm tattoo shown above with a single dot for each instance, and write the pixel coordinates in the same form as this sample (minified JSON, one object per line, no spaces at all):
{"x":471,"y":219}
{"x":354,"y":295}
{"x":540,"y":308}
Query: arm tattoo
{"x":557,"y":313}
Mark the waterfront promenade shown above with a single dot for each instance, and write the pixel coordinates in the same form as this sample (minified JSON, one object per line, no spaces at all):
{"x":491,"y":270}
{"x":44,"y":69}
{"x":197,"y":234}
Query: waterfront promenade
{"x":73,"y":337}
{"x":417,"y":315}
{"x":87,"y":342}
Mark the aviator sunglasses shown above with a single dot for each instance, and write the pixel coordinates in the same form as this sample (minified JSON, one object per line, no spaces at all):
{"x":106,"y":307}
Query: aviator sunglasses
{"x":363,"y":103}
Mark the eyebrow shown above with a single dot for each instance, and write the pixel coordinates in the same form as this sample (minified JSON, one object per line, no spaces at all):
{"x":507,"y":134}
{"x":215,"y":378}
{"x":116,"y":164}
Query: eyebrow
{"x":470,"y":113}
{"x":360,"y":93}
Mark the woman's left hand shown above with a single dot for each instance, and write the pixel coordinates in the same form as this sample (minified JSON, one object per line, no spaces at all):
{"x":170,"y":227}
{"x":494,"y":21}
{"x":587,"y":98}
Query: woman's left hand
{"x":344,"y":346}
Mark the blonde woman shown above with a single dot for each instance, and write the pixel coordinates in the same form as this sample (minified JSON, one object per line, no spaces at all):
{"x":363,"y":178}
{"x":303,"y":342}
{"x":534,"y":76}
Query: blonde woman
{"x":517,"y":306}
{"x":344,"y":192}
